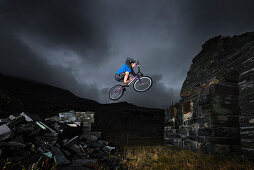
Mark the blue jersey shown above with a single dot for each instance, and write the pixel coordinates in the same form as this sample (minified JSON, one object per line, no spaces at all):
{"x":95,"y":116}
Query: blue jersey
{"x":124,"y":68}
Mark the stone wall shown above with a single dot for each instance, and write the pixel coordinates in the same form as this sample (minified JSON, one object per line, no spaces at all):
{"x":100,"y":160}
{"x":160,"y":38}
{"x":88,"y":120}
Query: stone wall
{"x":216,"y":110}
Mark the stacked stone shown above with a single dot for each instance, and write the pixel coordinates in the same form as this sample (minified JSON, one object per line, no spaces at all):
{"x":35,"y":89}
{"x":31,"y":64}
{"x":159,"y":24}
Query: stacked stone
{"x":171,"y":131}
{"x":213,"y":127}
{"x":211,"y":86}
{"x":246,"y":101}
{"x":220,"y":125}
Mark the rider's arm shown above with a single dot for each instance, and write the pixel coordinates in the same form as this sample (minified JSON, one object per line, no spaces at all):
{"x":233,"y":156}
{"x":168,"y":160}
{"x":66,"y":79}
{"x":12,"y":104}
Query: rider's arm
{"x":133,"y":72}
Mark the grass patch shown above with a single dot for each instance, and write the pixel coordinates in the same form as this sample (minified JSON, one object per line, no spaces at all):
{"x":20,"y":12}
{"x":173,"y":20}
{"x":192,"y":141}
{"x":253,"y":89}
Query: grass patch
{"x":165,"y":157}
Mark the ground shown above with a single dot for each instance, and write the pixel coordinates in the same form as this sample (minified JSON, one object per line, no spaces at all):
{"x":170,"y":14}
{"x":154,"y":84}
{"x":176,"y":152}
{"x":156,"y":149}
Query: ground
{"x":165,"y":157}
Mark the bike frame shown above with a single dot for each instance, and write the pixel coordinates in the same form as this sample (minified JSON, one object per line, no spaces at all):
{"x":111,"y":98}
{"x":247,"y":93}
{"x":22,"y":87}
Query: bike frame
{"x":137,"y":76}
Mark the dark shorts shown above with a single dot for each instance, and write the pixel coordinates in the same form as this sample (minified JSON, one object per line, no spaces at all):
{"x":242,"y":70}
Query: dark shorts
{"x":120,"y":77}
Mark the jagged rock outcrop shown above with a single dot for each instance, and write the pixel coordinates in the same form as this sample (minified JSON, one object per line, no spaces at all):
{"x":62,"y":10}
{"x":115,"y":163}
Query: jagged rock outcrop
{"x":217,"y":98}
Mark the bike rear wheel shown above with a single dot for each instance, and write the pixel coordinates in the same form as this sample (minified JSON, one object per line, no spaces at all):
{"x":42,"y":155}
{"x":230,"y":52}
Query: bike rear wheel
{"x":116,"y":92}
{"x":144,"y":84}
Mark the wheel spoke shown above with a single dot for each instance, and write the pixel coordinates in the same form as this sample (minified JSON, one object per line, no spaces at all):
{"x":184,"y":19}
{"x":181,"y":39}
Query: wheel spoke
{"x":143,"y":84}
{"x":116,"y":92}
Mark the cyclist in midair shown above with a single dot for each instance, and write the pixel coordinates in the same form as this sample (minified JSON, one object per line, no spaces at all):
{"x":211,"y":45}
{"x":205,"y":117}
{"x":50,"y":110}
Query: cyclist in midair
{"x":141,"y":83}
{"x":123,"y":73}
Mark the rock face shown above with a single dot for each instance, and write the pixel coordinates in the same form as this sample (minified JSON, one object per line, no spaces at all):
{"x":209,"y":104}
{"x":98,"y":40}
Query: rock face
{"x":216,"y":110}
{"x":114,"y":120}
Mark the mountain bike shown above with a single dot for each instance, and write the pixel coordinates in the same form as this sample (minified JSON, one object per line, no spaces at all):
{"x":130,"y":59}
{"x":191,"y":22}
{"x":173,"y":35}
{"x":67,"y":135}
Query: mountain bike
{"x":141,"y":84}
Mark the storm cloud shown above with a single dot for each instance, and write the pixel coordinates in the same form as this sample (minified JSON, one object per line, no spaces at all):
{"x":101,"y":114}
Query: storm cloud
{"x":79,"y":45}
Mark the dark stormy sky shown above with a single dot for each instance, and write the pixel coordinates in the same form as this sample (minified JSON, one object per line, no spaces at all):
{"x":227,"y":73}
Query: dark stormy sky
{"x":79,"y":45}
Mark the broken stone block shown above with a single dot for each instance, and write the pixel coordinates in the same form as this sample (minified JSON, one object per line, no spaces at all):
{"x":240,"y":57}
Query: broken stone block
{"x":67,"y":117}
{"x":50,"y":137}
{"x":5,"y":132}
{"x":11,"y":117}
{"x":28,"y":119}
{"x":18,"y":138}
{"x":16,"y":121}
{"x":87,"y":126}
{"x":108,"y":148}
{"x":51,"y":134}
{"x":17,"y":144}
{"x":57,"y":127}
{"x":4,"y":121}
{"x":59,"y":157}
{"x":44,"y":126}
{"x":73,"y":117}
{"x":76,"y":148}
{"x":48,"y":154}
{"x":103,"y":142}
{"x":25,"y":129}
{"x":83,"y":145}
{"x":72,"y":125}
{"x":78,"y":123}
{"x":67,"y":152}
{"x":71,"y":142}
{"x":53,"y":119}
{"x":89,"y":116}
{"x":82,"y":148}
{"x":40,"y":125}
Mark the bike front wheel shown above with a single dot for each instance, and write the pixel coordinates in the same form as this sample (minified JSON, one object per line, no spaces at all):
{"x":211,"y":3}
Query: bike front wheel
{"x":143,"y":84}
{"x":116,"y":92}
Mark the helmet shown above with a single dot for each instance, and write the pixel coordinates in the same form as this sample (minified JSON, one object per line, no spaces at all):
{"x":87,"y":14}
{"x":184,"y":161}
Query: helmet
{"x":131,"y":60}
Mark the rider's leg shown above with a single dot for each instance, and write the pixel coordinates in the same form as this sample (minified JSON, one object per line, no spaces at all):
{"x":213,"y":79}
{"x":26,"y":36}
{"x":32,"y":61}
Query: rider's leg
{"x":130,"y":78}
{"x":126,"y":76}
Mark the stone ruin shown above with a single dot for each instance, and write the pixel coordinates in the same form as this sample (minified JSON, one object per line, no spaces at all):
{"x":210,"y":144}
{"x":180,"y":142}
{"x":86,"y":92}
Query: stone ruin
{"x":216,"y":111}
{"x":65,"y":141}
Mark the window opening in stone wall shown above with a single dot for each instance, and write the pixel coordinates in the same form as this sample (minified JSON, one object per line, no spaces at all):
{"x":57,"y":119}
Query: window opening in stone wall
{"x":187,"y":110}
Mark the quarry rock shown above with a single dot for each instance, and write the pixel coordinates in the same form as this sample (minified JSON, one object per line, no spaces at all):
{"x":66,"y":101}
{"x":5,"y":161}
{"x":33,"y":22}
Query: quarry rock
{"x":216,"y":109}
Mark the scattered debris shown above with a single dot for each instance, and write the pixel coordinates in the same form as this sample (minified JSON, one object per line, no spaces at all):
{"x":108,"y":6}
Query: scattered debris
{"x":5,"y":132}
{"x":66,"y":139}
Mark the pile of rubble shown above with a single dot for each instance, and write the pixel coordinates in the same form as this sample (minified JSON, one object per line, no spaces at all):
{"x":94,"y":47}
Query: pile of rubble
{"x":64,"y":141}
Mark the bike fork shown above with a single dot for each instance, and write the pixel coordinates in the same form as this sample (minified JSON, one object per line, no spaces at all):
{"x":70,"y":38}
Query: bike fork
{"x":140,"y":80}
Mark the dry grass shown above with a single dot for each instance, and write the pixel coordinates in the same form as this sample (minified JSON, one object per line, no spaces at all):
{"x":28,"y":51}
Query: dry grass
{"x":164,"y":157}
